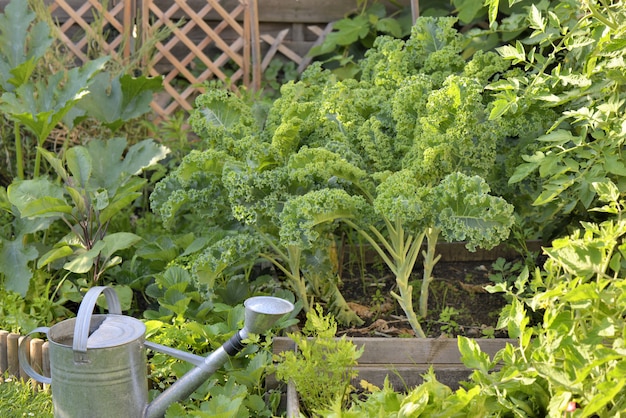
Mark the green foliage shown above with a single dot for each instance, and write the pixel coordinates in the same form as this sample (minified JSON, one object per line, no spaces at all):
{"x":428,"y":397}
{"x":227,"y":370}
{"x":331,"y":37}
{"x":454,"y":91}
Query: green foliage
{"x":576,"y":353}
{"x":568,"y":319}
{"x":353,"y":35}
{"x":321,"y":368}
{"x":381,"y":155}
{"x":571,"y":64}
{"x":18,"y":398}
{"x":98,"y":181}
{"x":40,"y":100}
{"x":20,"y":44}
{"x":186,"y":318}
{"x":42,"y":304}
{"x":114,"y":100}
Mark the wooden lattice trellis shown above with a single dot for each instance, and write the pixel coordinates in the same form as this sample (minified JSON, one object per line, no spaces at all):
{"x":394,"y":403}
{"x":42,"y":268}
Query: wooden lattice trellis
{"x":276,"y":44}
{"x":236,"y":54}
{"x":207,"y":39}
{"x":112,"y":31}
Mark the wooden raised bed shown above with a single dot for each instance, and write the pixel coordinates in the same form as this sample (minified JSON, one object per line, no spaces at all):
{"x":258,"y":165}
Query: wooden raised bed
{"x":402,"y":360}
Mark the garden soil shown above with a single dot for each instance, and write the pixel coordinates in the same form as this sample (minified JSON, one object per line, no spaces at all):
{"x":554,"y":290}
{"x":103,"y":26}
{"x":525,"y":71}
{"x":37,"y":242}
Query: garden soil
{"x":458,"y":302}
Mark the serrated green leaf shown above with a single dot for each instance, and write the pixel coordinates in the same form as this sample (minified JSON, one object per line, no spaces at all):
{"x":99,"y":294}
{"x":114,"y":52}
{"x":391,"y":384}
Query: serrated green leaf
{"x":493,"y":11}
{"x":500,"y":107}
{"x":606,"y":392}
{"x":472,"y":356}
{"x":607,"y":191}
{"x":558,"y":137}
{"x":536,"y":20}
{"x":512,"y":53}
{"x":349,"y":31}
{"x":522,"y":171}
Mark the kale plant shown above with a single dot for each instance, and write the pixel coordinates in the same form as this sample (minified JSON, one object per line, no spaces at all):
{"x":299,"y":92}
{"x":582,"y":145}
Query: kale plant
{"x":406,"y":152}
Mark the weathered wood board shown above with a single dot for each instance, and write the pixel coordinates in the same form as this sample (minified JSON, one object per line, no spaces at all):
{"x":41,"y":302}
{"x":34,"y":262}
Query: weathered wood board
{"x":404,"y":360}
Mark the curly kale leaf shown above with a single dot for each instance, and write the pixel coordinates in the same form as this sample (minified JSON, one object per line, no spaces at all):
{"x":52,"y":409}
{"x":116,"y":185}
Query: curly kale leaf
{"x":286,"y":138}
{"x":454,"y":133}
{"x":194,"y":188}
{"x":307,"y":218}
{"x":435,"y":47}
{"x":315,"y":168}
{"x":465,"y":211}
{"x":402,"y":197}
{"x":256,"y":196}
{"x":484,"y":65}
{"x":227,"y":257}
{"x":299,"y":101}
{"x":221,"y":119}
{"x":408,"y":104}
{"x":386,"y":63}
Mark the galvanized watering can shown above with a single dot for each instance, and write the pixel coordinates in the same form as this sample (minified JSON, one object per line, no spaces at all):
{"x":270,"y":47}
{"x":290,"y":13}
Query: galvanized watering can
{"x":98,"y":362}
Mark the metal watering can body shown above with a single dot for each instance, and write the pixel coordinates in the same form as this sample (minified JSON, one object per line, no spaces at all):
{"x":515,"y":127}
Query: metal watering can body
{"x":98,"y":362}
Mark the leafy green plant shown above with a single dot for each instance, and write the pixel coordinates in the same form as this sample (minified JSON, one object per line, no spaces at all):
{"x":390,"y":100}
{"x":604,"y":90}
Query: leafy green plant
{"x":328,"y":160}
{"x":322,"y":366}
{"x":570,"y":66}
{"x":569,"y":363}
{"x":353,"y":35}
{"x":575,"y":355}
{"x":447,"y":316}
{"x":97,"y":182}
{"x":186,"y":318}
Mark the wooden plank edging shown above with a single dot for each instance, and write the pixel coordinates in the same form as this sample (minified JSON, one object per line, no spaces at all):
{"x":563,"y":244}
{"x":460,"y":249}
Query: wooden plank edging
{"x":37,"y":354}
{"x":404,"y":360}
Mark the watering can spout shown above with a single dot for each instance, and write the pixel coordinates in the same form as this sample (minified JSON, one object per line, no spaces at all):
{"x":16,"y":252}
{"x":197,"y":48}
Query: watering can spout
{"x":261,"y":313}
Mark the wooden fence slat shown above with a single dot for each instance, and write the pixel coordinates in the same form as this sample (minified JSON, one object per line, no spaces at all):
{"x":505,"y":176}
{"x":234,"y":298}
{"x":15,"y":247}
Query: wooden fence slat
{"x":321,"y":35}
{"x":274,"y":48}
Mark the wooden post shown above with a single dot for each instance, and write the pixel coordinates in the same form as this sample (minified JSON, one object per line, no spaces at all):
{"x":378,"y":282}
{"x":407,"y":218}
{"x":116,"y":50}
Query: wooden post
{"x":36,"y":360}
{"x":255,"y":45}
{"x":415,"y":10}
{"x":129,"y":21}
{"x":45,"y":360}
{"x":13,"y":364}
{"x":22,"y":374}
{"x":4,"y":365}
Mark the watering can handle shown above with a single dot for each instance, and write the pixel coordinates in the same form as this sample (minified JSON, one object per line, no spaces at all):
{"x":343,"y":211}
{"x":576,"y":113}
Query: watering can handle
{"x":83,"y":319}
{"x":24,"y":364}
